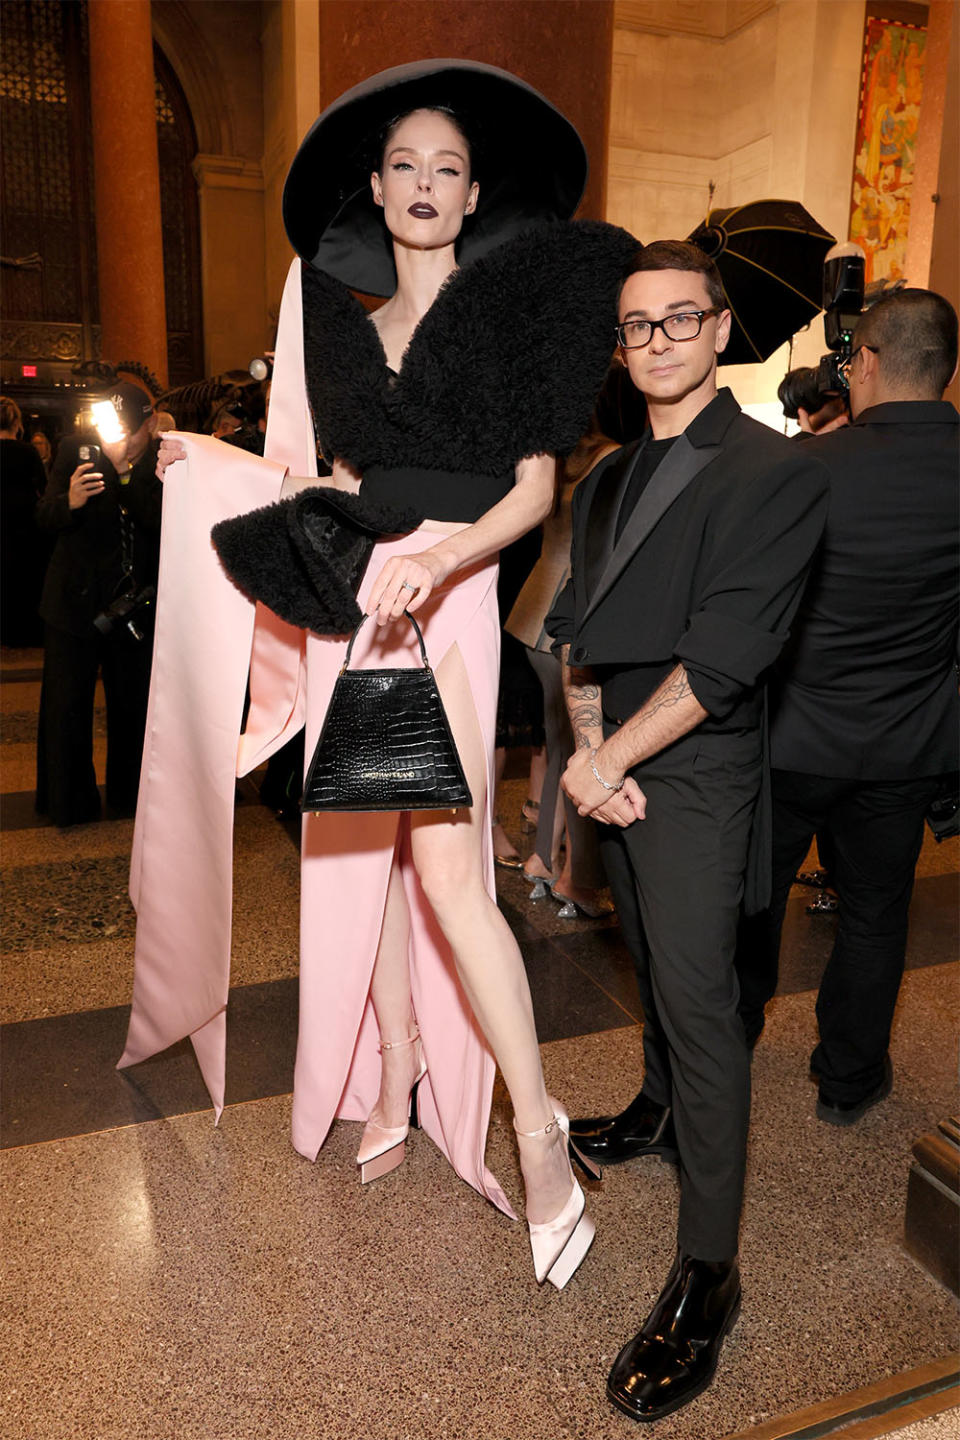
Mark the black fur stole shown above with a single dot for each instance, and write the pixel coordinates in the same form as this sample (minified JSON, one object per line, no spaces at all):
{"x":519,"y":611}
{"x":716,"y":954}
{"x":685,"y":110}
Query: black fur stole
{"x":507,"y":362}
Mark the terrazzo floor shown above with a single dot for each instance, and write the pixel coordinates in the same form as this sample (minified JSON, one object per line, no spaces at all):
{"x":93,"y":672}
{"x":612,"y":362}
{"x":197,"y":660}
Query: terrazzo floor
{"x":170,"y":1280}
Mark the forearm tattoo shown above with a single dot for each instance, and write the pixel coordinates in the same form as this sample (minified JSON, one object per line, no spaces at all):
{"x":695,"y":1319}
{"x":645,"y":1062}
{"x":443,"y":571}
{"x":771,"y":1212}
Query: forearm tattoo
{"x":674,"y":689}
{"x":583,"y":704}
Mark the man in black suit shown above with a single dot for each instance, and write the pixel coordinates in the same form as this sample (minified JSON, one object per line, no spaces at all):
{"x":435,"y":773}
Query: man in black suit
{"x":864,"y":709}
{"x":689,"y":551}
{"x":106,"y":519}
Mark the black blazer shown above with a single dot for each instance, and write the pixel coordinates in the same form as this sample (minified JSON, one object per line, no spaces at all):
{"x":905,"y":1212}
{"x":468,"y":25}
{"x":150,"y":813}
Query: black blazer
{"x":85,"y":568}
{"x":868,"y":686}
{"x":707,"y":571}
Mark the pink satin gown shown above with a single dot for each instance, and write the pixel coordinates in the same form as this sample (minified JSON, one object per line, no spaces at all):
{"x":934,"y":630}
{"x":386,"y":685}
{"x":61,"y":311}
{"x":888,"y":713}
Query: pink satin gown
{"x":207,"y":635}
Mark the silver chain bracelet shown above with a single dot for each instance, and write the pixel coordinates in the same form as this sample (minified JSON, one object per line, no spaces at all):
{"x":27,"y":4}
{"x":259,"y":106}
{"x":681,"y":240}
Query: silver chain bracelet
{"x":598,"y":777}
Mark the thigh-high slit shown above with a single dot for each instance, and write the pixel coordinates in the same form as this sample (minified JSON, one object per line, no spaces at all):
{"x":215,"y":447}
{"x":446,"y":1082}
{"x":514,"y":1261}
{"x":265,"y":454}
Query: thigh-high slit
{"x":346,"y":862}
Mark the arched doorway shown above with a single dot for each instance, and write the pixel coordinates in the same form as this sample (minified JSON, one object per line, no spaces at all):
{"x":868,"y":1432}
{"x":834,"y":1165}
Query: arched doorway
{"x":177,"y":146}
{"x":47,"y":234}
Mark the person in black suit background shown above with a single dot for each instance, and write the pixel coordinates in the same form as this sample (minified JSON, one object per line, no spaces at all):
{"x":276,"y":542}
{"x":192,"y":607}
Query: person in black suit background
{"x":864,"y":709}
{"x":690,"y":548}
{"x":23,"y":553}
{"x":107,"y":526}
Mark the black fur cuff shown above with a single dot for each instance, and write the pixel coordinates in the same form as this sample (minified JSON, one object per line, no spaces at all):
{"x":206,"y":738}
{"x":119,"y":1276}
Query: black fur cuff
{"x":304,"y":558}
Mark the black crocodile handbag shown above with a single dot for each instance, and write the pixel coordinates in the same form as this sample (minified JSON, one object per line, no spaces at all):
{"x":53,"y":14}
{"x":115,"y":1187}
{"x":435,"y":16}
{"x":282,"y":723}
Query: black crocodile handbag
{"x":386,"y":743}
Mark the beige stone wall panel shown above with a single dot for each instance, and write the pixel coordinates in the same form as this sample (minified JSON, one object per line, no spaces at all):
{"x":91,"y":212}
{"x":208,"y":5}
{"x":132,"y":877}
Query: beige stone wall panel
{"x":759,"y":98}
{"x":693,"y":96}
{"x":716,"y":18}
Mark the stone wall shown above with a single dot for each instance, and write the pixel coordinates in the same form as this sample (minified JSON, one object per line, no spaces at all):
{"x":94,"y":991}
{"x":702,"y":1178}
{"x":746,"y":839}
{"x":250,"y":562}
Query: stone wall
{"x":755,"y":96}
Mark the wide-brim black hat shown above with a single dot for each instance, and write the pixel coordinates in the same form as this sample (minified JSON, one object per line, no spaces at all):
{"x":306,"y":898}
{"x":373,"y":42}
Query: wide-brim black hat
{"x":532,"y":166}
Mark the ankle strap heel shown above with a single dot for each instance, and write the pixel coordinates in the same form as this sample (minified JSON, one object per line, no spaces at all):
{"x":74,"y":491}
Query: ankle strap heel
{"x":398,"y":1044}
{"x":561,"y":1120}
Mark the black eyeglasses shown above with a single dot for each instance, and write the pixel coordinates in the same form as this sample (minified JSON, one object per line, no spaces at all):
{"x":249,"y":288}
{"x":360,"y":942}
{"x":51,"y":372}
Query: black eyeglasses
{"x":843,"y":368}
{"x":685,"y":325}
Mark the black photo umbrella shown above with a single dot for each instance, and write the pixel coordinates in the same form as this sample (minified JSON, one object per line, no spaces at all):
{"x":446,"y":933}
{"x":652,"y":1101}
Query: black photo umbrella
{"x":770,"y":257}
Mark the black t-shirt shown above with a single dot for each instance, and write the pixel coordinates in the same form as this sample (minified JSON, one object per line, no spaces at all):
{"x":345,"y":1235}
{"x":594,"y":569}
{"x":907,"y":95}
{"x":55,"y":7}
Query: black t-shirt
{"x":653,"y":452}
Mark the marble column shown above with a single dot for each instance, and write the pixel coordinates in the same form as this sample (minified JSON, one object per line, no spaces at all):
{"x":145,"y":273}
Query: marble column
{"x":133,"y":319}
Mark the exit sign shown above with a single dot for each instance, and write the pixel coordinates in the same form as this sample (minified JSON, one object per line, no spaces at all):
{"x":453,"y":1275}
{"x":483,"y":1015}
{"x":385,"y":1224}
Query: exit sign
{"x":28,"y":372}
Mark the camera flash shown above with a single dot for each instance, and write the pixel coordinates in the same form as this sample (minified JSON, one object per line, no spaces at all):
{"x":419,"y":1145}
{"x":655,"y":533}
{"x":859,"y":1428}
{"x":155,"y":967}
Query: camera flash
{"x":106,"y":422}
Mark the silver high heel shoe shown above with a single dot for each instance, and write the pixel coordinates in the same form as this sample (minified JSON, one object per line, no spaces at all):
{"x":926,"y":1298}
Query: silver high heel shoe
{"x":382,"y":1148}
{"x":559,"y":1245}
{"x":571,"y":909}
{"x":542,"y":885}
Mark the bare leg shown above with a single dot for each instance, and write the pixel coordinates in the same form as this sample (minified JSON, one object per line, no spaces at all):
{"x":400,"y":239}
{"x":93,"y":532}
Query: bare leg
{"x":448,"y":857}
{"x":393,"y":1005}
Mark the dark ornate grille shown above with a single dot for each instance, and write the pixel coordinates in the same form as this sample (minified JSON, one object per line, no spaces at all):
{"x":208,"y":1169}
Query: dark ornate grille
{"x":177,"y":146}
{"x":45,"y":195}
{"x":47,"y":234}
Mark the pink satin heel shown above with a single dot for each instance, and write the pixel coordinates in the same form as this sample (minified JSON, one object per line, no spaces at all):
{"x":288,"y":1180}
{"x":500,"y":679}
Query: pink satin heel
{"x":383,"y":1148}
{"x":559,"y":1245}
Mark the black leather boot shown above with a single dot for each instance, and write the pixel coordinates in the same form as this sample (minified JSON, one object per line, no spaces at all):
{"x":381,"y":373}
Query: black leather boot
{"x":674,"y":1357}
{"x":643,"y":1128}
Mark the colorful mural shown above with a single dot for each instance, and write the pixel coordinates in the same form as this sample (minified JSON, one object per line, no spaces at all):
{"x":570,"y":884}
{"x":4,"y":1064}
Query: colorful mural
{"x":889,"y":118}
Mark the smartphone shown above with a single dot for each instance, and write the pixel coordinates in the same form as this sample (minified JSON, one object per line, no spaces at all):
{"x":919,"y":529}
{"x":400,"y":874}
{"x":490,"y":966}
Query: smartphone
{"x":91,"y":455}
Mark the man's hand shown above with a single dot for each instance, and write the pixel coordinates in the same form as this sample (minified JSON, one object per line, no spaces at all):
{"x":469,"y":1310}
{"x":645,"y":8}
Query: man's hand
{"x":621,"y":807}
{"x":170,"y":451}
{"x":84,"y":482}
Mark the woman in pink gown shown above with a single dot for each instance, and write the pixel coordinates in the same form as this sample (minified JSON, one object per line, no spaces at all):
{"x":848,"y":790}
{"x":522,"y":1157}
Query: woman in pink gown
{"x":448,"y":401}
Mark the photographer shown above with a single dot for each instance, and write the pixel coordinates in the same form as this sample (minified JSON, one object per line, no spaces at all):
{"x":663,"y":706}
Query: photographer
{"x":103,"y":504}
{"x":864,"y":714}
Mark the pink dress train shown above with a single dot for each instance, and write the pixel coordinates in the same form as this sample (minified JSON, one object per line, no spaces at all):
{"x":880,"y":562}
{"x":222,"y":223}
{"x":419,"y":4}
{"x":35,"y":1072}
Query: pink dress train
{"x":207,"y":636}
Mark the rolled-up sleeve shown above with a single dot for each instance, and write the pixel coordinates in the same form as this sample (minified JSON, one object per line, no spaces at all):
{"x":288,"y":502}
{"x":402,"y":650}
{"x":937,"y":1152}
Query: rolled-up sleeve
{"x":766,"y":542}
{"x":559,"y":621}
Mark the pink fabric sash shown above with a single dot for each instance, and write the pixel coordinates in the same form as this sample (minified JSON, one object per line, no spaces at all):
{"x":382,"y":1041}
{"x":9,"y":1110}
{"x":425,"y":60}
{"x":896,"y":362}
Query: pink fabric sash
{"x":181,"y":872}
{"x":181,"y":868}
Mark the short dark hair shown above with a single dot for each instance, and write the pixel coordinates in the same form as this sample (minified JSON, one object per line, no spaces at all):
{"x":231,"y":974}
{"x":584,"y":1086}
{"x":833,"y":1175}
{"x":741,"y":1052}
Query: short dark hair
{"x":914,"y":333}
{"x":680,"y":255}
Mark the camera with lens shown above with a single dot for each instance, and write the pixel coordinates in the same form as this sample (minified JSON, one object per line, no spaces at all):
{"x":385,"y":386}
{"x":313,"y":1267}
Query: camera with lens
{"x":131,"y":610}
{"x":800,"y":390}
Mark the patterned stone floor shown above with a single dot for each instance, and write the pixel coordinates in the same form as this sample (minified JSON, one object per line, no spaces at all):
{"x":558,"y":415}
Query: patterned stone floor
{"x":170,"y":1280}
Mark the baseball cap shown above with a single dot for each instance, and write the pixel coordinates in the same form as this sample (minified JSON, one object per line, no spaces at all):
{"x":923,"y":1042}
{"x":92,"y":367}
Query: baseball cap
{"x":133,"y":405}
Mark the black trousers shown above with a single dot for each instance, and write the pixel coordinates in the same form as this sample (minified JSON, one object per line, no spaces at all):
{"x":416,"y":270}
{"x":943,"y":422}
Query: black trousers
{"x":66,"y":780}
{"x":875,"y":831}
{"x":677,"y":879}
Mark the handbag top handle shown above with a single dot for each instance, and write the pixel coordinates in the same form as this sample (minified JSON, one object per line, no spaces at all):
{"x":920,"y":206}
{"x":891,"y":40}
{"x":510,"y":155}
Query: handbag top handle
{"x":423,"y":648}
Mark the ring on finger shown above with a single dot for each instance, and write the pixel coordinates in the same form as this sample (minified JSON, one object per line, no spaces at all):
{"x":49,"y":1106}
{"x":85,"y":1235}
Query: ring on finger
{"x":405,"y":585}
